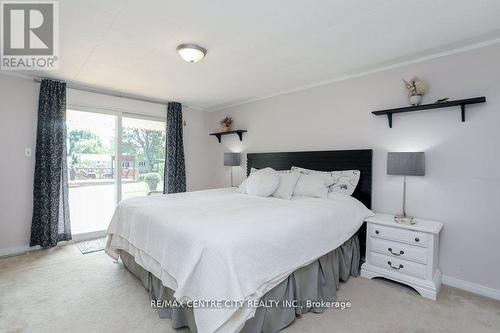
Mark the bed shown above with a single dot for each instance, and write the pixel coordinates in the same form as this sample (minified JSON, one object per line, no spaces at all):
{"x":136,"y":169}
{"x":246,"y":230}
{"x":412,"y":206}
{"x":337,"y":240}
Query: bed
{"x":231,"y":255}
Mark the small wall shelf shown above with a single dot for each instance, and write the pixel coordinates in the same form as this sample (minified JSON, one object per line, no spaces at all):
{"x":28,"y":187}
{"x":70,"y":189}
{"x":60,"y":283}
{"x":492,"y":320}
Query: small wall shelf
{"x":238,"y":132}
{"x":461,"y":102}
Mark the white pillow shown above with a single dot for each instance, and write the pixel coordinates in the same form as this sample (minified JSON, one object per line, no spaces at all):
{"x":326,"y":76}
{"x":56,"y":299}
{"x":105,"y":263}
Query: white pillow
{"x":288,"y":180}
{"x":243,"y":186}
{"x":263,"y":182}
{"x":312,"y":185}
{"x":343,"y":181}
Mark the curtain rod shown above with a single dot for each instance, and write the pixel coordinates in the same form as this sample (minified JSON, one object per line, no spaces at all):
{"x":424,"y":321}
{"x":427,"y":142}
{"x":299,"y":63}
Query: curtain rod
{"x":81,"y":87}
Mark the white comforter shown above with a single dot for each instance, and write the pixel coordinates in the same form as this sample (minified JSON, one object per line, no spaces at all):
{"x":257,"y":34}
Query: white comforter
{"x":223,"y":245}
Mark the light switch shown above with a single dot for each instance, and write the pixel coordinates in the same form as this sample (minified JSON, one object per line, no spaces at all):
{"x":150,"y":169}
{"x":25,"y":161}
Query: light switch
{"x":27,"y":152}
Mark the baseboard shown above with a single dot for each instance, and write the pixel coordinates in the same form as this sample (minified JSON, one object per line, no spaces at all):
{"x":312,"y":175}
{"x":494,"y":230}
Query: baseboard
{"x":23,"y":249}
{"x":471,"y":287}
{"x":17,"y":250}
{"x":88,"y":236}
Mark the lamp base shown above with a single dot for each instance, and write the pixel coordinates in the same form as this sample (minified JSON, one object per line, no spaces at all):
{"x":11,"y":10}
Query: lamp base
{"x":408,"y":220}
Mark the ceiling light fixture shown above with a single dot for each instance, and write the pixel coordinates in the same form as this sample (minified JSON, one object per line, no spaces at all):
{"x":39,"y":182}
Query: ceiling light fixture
{"x":191,"y":52}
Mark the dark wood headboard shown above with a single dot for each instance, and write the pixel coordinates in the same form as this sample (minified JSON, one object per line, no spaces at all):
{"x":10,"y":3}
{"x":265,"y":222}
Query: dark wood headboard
{"x":329,"y":160}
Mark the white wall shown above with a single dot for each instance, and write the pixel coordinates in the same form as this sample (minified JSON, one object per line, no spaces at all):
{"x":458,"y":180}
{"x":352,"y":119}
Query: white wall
{"x":462,"y":182}
{"x":18,"y":112}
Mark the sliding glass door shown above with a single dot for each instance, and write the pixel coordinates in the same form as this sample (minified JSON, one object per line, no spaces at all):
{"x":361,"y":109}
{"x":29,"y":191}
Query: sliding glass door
{"x":143,"y":156}
{"x":91,"y":170}
{"x":98,"y":180}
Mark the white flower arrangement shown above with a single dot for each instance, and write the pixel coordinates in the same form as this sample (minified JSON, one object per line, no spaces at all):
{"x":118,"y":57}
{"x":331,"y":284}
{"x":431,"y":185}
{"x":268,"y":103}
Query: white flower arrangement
{"x":226,"y":123}
{"x":415,"y":87}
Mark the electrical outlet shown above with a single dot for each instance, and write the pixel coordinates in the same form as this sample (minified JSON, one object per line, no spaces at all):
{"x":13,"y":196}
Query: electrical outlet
{"x":27,"y":152}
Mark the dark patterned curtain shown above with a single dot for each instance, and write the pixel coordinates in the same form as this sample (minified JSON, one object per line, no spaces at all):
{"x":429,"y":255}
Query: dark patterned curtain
{"x":175,"y":170}
{"x":50,"y":222}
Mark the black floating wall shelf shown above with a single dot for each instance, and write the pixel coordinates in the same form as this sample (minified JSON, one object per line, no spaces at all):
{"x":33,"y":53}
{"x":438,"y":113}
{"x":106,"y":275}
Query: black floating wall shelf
{"x":461,"y":102}
{"x":238,"y":132}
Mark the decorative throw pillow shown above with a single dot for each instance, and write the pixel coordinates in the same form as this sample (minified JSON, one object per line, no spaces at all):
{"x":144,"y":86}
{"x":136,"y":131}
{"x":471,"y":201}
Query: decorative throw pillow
{"x":343,"y":181}
{"x":243,"y":186}
{"x":288,"y":180}
{"x":312,"y":185}
{"x":263,"y":182}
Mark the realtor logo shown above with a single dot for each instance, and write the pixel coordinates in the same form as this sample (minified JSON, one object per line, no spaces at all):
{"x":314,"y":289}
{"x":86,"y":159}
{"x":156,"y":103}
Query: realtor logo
{"x":29,"y":35}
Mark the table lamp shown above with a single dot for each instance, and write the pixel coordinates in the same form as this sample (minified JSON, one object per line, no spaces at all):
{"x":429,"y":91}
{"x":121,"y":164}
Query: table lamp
{"x":232,"y":160}
{"x":405,"y":164}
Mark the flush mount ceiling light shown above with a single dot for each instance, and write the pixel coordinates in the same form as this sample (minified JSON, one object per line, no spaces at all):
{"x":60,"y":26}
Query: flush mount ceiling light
{"x":191,"y":52}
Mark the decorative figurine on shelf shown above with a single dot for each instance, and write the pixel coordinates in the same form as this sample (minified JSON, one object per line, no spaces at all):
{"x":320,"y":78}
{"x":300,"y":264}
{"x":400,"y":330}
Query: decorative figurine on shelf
{"x":225,"y":124}
{"x":415,"y":89}
{"x":442,"y":100}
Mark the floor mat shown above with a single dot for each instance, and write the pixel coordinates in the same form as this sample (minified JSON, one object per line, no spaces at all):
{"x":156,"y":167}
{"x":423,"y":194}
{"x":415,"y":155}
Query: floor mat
{"x":92,"y":245}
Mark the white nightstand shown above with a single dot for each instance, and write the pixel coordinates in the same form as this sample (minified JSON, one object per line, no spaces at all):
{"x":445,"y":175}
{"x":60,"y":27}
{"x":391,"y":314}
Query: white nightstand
{"x":404,"y":253}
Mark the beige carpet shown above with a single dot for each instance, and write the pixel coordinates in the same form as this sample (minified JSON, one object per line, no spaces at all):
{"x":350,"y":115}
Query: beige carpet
{"x":61,"y":290}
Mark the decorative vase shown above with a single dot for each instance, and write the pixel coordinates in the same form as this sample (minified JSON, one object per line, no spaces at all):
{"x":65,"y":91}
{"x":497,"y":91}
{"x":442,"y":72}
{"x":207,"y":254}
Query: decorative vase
{"x":415,"y":99}
{"x":225,"y":128}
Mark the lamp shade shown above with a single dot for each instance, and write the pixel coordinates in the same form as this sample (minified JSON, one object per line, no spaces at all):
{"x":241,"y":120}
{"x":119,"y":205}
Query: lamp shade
{"x":406,"y":164}
{"x":231,"y":159}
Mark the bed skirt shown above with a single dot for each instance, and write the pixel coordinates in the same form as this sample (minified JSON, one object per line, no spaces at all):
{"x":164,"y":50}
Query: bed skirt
{"x":317,"y":281}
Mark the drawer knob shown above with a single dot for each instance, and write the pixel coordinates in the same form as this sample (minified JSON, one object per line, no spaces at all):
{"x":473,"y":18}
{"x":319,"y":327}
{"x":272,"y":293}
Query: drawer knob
{"x":417,"y":239}
{"x":377,"y":232}
{"x":398,"y":268}
{"x":396,"y":254}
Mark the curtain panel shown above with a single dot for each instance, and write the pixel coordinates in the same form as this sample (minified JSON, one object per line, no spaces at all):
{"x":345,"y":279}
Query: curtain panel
{"x":50,"y":223}
{"x":175,"y":170}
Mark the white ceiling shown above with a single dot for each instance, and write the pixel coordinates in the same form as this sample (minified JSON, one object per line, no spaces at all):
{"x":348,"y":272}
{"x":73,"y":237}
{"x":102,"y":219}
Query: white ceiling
{"x":256,"y":48}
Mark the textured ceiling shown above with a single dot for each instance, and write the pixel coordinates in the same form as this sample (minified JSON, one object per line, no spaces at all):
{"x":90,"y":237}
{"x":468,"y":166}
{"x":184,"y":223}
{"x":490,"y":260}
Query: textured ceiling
{"x":255,"y":48}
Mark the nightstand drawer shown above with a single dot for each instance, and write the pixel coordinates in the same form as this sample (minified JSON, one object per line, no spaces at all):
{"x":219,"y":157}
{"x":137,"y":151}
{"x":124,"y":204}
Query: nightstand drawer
{"x":399,"y":250}
{"x":397,"y":265}
{"x":398,"y":234}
